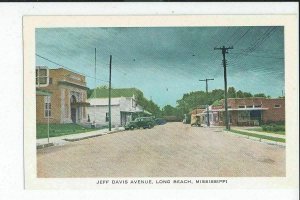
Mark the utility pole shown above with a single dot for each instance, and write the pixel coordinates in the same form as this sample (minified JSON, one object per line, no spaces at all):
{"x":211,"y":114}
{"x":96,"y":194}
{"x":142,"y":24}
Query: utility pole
{"x":95,"y":92}
{"x":224,"y":51}
{"x":207,"y":110}
{"x":109,"y":95}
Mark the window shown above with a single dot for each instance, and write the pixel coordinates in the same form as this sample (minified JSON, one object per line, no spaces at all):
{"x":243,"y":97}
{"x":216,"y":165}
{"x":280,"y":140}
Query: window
{"x":241,"y":106}
{"x":41,"y":76}
{"x":47,"y":104}
{"x":277,"y":106}
{"x":257,"y":106}
{"x":250,"y":106}
{"x":106,"y":117}
{"x":243,"y":116}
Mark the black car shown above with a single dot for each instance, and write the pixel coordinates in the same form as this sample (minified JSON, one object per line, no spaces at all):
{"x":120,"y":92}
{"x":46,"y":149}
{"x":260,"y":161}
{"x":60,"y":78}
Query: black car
{"x":160,"y":121}
{"x":140,"y":122}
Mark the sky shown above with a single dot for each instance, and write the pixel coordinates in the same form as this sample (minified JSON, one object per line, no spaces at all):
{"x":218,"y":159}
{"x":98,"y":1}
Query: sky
{"x":166,"y":62}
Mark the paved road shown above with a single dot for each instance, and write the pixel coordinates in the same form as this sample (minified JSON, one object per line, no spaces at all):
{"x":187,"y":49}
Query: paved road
{"x":170,"y":150}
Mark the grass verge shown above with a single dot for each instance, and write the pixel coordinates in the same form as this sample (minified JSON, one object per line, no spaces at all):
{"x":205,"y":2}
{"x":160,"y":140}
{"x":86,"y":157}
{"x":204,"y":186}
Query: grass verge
{"x":259,"y":136}
{"x":259,"y":129}
{"x":59,"y":130}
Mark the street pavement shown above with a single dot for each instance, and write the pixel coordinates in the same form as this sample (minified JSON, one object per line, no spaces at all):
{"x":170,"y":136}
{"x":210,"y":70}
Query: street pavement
{"x":170,"y":150}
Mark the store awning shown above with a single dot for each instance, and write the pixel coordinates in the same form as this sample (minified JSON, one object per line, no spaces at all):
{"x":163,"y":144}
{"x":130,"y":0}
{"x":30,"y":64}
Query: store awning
{"x":240,"y":109}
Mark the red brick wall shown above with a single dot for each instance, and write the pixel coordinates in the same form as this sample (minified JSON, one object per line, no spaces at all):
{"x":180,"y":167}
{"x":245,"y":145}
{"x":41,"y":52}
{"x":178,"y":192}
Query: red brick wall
{"x":270,"y":115}
{"x":274,"y":114}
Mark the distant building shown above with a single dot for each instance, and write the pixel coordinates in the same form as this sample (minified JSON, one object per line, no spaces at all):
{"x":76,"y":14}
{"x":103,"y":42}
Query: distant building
{"x":61,"y":94}
{"x":249,"y":111}
{"x":123,"y":106}
{"x":201,"y":111}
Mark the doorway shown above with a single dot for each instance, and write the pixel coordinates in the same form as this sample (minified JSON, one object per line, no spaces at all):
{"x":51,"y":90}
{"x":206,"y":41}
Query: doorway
{"x":73,"y":109}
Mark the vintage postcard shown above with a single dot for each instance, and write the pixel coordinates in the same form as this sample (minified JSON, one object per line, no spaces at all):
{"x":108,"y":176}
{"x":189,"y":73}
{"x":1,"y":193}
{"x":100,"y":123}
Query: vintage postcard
{"x":189,"y":101}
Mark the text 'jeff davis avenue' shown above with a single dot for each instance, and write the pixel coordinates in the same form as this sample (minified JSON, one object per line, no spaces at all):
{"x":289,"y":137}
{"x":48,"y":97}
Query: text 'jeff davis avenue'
{"x":162,"y":181}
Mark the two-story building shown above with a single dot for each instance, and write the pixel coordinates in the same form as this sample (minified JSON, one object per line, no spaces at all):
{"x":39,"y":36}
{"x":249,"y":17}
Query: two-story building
{"x":60,"y":95}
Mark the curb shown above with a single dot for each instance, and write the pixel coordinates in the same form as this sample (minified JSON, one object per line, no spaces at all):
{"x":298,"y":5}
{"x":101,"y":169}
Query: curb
{"x":92,"y":136}
{"x":75,"y":139}
{"x":270,"y":142}
{"x":41,"y":146}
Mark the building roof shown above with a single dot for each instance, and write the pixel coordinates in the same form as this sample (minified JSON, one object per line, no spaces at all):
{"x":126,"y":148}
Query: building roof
{"x":118,"y":92}
{"x":103,"y":101}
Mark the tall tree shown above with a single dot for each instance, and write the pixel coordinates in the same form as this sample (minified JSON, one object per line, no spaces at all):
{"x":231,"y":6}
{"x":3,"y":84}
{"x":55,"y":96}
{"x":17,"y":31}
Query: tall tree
{"x":260,"y":95}
{"x":231,"y":93}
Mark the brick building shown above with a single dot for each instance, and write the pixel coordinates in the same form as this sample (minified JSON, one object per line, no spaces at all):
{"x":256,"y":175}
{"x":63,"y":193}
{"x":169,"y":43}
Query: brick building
{"x":250,"y":111}
{"x":61,"y":94}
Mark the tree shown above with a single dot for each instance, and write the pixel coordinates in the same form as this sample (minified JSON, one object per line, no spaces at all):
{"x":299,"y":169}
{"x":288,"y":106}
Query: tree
{"x":247,"y":94}
{"x":169,"y":110}
{"x":240,"y":94}
{"x":148,"y":105}
{"x":89,"y":92}
{"x":231,"y":93}
{"x":260,"y":95}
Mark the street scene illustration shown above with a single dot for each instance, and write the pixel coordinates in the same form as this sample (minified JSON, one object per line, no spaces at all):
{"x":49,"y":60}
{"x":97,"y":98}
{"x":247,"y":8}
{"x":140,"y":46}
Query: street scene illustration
{"x":160,"y":102}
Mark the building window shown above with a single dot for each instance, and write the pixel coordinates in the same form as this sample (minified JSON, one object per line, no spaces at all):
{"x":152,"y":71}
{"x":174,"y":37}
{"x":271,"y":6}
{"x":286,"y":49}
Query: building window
{"x":277,"y":106}
{"x":106,"y":117}
{"x":47,"y":106}
{"x":41,"y":76}
{"x":257,"y":106}
{"x":250,"y":106}
{"x":242,"y":106}
{"x":243,"y":116}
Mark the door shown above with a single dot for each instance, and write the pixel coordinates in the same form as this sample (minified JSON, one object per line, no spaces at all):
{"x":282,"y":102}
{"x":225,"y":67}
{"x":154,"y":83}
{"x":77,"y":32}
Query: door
{"x":73,"y":115}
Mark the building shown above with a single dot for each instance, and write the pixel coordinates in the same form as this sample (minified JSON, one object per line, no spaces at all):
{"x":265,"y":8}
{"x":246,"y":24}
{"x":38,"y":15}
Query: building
{"x":60,"y":95}
{"x":123,"y":106}
{"x":251,"y":111}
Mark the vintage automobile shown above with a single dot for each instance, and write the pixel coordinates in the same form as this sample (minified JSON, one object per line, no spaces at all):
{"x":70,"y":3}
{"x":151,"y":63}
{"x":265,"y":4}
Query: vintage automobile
{"x":160,"y":121}
{"x":140,"y":122}
{"x":195,"y":120}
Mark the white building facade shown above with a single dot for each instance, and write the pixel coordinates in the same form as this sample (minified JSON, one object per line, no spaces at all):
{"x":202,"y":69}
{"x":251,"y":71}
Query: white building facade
{"x":122,"y":109}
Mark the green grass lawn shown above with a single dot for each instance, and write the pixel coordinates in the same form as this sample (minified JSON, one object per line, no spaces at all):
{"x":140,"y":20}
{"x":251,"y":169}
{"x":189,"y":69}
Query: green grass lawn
{"x":259,"y":136}
{"x":259,"y":129}
{"x":59,"y":130}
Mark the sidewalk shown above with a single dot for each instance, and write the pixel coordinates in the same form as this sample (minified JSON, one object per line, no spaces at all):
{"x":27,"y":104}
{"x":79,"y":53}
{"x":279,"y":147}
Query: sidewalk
{"x":259,"y":132}
{"x":61,"y":140}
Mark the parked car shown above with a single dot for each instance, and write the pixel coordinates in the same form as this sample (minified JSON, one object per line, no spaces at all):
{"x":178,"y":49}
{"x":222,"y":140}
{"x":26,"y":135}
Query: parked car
{"x":140,"y":122}
{"x":195,"y":120}
{"x":160,"y":121}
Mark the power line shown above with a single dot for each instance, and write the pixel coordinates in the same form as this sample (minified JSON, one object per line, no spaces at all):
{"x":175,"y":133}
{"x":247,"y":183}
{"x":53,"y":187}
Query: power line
{"x":241,"y":36}
{"x":257,"y":56}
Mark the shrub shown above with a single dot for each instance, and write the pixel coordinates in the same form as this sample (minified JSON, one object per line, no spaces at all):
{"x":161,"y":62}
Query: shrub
{"x":273,"y":127}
